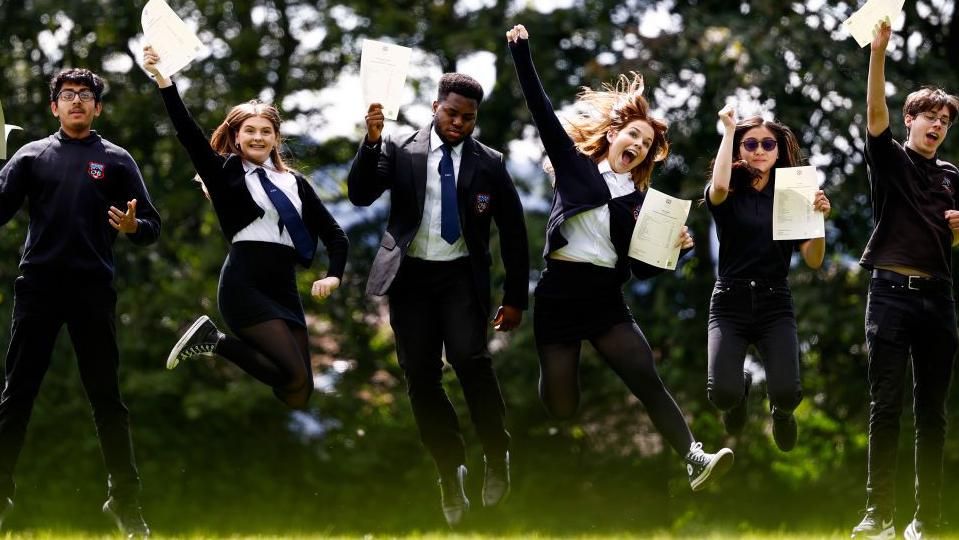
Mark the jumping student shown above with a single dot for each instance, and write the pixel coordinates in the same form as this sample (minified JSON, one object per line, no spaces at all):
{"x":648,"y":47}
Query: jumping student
{"x":602,"y":165}
{"x":82,"y":192}
{"x":751,"y":301}
{"x":272,"y":218}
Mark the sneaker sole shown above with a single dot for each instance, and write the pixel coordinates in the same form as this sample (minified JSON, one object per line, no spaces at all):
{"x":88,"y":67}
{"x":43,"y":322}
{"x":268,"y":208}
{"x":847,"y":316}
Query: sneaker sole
{"x":719,"y":466}
{"x":171,"y":361}
{"x":887,"y":534}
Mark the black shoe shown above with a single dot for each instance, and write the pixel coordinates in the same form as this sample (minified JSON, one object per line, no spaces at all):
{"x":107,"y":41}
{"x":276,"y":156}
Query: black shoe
{"x":453,"y":495}
{"x":875,"y":525}
{"x":200,"y":338}
{"x":6,"y":506}
{"x":496,"y":480}
{"x":128,"y":518}
{"x":917,"y":530}
{"x":785,"y":430}
{"x":735,"y":419}
{"x":702,"y":467}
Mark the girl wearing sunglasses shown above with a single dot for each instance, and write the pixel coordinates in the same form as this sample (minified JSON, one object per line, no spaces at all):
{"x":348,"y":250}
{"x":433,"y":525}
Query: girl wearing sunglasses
{"x":751,"y":302}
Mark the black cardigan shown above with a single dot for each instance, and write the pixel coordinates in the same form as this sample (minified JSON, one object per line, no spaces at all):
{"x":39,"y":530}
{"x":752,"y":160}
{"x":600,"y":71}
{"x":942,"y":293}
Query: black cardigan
{"x":225,"y":180}
{"x":579,"y":184}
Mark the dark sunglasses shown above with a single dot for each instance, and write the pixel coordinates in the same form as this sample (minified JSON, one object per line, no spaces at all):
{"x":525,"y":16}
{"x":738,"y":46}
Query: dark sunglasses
{"x":751,"y":144}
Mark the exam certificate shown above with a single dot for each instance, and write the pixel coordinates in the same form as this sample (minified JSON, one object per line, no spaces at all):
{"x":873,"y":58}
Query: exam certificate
{"x":794,"y":217}
{"x":383,"y":68}
{"x":172,"y":39}
{"x":6,"y":132}
{"x":656,"y":233}
{"x":861,"y":23}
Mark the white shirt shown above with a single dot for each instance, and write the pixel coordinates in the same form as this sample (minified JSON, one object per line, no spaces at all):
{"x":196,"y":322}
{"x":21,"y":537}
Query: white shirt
{"x":588,"y":232}
{"x":428,"y":244}
{"x":266,"y":228}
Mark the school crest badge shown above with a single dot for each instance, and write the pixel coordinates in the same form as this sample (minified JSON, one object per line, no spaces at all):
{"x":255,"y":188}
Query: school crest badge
{"x":636,"y":211}
{"x":96,"y":170}
{"x":481,"y":205}
{"x":947,"y":185}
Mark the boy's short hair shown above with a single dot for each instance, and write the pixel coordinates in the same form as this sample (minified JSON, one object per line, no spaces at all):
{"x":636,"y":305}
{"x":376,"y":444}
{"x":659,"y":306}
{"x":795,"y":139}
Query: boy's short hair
{"x":461,"y":84}
{"x":930,"y":98}
{"x":78,"y":76}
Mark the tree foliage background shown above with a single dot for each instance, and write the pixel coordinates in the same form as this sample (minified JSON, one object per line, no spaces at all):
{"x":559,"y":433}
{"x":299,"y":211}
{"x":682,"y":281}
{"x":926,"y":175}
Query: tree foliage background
{"x":217,"y":452}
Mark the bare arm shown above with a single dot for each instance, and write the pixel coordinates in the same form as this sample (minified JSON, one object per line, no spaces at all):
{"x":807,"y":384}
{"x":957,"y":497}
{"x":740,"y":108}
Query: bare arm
{"x":813,"y":251}
{"x":723,"y":166}
{"x":877,"y":113}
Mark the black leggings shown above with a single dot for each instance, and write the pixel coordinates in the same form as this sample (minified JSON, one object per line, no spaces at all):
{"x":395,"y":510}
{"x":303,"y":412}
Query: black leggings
{"x":626,"y":351}
{"x":275,"y":352}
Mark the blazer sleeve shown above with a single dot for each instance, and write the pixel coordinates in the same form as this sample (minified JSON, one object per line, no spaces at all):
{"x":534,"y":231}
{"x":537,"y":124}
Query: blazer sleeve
{"x":371,"y":172}
{"x":334,"y":239}
{"x":514,"y":244}
{"x":555,"y":140}
{"x":207,"y":162}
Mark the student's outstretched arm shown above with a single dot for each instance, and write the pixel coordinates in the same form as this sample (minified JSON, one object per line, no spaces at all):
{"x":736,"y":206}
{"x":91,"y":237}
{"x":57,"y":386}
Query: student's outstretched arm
{"x":877,"y":113}
{"x":372,"y":170}
{"x":813,"y":251}
{"x":723,"y":166}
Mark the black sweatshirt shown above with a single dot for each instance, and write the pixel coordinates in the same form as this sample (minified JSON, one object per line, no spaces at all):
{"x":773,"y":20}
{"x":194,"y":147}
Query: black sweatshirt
{"x":70,"y":185}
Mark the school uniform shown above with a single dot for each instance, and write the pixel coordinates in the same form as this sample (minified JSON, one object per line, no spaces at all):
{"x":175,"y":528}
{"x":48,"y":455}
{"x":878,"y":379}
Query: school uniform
{"x":257,"y":280}
{"x":439,"y":292}
{"x":909,"y":316}
{"x":67,"y":272}
{"x":751,"y":301}
{"x":593,"y":213}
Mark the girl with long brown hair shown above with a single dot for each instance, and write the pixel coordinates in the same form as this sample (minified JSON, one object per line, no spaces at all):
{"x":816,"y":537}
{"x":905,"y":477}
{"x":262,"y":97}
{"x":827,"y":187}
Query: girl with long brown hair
{"x":273,"y":219}
{"x":751,"y":301}
{"x":601,"y":163}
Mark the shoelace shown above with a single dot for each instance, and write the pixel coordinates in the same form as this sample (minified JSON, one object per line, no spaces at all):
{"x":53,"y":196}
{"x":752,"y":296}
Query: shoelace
{"x":199,"y":348}
{"x":696,"y":453}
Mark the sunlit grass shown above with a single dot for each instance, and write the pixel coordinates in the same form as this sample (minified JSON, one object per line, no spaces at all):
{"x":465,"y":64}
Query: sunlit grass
{"x":836,"y":535}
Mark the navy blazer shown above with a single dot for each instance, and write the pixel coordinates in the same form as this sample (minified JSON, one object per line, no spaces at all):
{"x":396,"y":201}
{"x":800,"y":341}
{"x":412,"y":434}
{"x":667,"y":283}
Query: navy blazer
{"x":484,"y":191}
{"x":225,"y":180}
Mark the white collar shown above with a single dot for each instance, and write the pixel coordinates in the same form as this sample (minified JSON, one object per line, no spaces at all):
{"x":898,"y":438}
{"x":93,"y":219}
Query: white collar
{"x":267,"y":165}
{"x":606,"y":169}
{"x":436,"y":142}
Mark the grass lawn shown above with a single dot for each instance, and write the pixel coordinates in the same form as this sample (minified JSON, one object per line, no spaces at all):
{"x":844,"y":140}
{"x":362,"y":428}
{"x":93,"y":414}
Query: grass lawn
{"x":772,"y":535}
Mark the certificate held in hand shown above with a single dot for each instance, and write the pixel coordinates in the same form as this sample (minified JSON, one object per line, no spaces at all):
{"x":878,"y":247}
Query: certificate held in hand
{"x":655,"y":238}
{"x":169,"y":36}
{"x":6,"y":133}
{"x":861,"y":23}
{"x":383,"y":68}
{"x":794,"y":217}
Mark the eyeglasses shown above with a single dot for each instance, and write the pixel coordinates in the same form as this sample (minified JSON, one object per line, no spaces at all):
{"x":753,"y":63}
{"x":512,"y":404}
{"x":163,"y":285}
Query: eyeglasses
{"x":69,"y":95}
{"x":931,"y":118}
{"x":751,"y":144}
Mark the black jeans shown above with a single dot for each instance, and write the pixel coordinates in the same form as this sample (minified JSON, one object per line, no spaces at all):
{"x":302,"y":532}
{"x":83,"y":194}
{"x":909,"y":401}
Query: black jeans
{"x":41,"y":308}
{"x":759,"y":312}
{"x":433,"y":307}
{"x":900,"y":321}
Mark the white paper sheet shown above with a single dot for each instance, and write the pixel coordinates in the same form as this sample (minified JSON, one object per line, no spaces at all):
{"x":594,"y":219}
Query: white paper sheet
{"x":383,"y":68}
{"x":7,"y":128}
{"x":794,"y":217}
{"x":656,"y":234}
{"x":172,"y":39}
{"x":861,"y":23}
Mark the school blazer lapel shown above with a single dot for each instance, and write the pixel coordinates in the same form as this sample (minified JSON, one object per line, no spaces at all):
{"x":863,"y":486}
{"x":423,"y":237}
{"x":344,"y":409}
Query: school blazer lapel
{"x":468,"y":163}
{"x":419,"y":148}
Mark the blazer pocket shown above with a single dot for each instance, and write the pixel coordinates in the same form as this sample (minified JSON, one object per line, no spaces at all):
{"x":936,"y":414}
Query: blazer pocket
{"x":388,"y":241}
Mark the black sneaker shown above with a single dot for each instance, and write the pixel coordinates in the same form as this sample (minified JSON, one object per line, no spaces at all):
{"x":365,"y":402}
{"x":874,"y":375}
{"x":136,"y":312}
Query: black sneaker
{"x":199,"y":339}
{"x":785,"y":430}
{"x":875,"y":525}
{"x":453,"y":496}
{"x":128,"y":518}
{"x":496,"y":483}
{"x":702,"y":467}
{"x":917,"y":530}
{"x":6,"y":506}
{"x":735,"y":419}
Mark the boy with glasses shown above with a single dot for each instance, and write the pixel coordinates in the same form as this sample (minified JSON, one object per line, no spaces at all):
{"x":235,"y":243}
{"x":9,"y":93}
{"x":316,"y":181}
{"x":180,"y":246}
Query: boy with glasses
{"x":82,"y":191}
{"x":910,"y":308}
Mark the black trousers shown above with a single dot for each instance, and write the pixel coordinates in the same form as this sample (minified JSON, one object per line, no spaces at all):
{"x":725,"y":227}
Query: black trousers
{"x":900,"y":321}
{"x":744,"y":312}
{"x":41,"y":308}
{"x":433,"y":307}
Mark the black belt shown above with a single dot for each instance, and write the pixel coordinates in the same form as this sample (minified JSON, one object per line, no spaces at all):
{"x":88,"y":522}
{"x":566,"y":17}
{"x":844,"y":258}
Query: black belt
{"x":913,"y":283}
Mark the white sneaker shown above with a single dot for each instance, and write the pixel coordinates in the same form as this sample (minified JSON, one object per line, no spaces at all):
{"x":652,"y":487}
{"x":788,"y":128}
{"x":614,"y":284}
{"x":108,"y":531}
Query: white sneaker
{"x":702,"y":467}
{"x":201,"y":338}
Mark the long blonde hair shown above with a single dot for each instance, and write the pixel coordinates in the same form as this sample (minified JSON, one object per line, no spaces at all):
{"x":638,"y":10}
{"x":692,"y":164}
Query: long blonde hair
{"x":615,"y":106}
{"x":223,"y":139}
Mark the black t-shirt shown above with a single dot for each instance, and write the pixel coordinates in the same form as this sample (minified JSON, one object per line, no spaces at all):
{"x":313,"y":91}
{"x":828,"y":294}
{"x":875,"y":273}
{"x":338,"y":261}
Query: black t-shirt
{"x":744,"y":224}
{"x":910,"y":196}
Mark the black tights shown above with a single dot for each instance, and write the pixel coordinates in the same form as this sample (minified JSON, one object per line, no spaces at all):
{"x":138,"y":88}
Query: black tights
{"x":276,"y":353}
{"x":626,"y":351}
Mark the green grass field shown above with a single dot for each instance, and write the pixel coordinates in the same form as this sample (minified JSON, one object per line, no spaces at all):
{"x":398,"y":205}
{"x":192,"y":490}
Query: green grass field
{"x":772,"y":535}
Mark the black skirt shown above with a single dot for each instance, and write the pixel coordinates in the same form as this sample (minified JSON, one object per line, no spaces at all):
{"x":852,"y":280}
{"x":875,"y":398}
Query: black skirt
{"x":257,"y":284}
{"x":577,"y":301}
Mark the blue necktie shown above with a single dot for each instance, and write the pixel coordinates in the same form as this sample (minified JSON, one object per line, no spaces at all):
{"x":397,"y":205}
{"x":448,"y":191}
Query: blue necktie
{"x":449,"y":220}
{"x":290,"y":218}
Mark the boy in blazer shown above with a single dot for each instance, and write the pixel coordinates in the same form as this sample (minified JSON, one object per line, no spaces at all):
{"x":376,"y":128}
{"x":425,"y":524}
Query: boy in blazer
{"x":433,"y":264}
